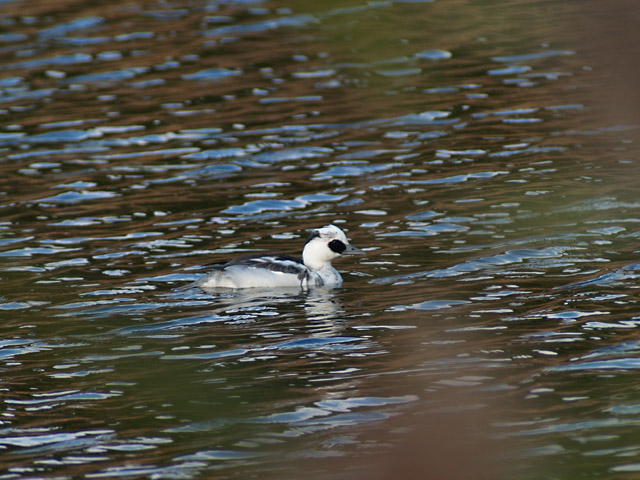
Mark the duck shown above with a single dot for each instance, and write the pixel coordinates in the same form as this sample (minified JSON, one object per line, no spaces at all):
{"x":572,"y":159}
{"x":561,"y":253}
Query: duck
{"x":314,"y":269}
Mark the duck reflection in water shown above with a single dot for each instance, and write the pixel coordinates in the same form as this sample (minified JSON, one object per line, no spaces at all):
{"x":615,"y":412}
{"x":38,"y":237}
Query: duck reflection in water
{"x":323,"y":310}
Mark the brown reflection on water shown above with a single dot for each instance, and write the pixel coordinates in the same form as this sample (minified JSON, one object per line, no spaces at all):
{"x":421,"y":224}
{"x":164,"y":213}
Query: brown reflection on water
{"x":610,"y":40}
{"x":473,"y":215}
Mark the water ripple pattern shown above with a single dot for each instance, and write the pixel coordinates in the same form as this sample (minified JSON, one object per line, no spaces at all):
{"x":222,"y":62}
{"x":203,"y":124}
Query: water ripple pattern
{"x":465,"y":148}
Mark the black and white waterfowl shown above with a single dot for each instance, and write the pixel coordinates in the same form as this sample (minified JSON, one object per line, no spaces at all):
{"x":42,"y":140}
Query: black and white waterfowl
{"x":314,"y":269}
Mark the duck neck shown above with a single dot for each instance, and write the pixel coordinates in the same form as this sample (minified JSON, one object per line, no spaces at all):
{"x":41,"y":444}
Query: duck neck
{"x":313,"y":259}
{"x":314,"y":264}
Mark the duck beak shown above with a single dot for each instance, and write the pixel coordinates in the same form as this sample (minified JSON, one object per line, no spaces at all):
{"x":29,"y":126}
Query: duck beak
{"x":351,"y":250}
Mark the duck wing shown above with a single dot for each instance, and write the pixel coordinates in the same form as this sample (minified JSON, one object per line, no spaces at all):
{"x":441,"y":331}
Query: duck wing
{"x":274,"y":263}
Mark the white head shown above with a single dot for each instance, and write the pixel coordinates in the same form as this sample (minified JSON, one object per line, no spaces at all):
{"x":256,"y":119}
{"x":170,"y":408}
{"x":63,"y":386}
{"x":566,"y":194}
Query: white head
{"x":324,"y":245}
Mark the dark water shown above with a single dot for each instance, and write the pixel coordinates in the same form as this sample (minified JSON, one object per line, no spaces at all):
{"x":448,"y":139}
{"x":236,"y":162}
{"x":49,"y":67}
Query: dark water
{"x":489,"y":332}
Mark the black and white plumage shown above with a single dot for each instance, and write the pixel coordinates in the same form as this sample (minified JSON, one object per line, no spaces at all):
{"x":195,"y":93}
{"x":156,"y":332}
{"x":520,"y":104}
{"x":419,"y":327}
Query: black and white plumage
{"x":314,"y":269}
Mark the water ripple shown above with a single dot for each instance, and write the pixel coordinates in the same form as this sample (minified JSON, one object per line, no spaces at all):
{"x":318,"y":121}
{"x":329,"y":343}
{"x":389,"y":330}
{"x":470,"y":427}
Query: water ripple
{"x":31,"y":441}
{"x":64,"y":29}
{"x":497,"y":200}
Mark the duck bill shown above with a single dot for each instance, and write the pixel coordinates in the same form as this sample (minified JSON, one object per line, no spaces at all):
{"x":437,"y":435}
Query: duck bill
{"x":351,"y":250}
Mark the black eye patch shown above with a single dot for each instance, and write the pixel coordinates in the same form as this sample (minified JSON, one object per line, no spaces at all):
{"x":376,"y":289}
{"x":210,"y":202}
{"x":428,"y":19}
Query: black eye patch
{"x":337,"y":246}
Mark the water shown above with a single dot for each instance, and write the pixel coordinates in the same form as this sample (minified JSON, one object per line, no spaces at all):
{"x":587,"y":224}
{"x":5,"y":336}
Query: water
{"x":463,"y":147}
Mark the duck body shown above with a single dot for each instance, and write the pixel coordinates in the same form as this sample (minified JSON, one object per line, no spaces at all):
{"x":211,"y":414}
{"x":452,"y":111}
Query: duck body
{"x":314,"y":269}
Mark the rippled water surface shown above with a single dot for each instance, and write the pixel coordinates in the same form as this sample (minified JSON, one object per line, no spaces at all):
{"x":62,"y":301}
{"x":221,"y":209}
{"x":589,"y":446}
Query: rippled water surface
{"x":460,"y":144}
